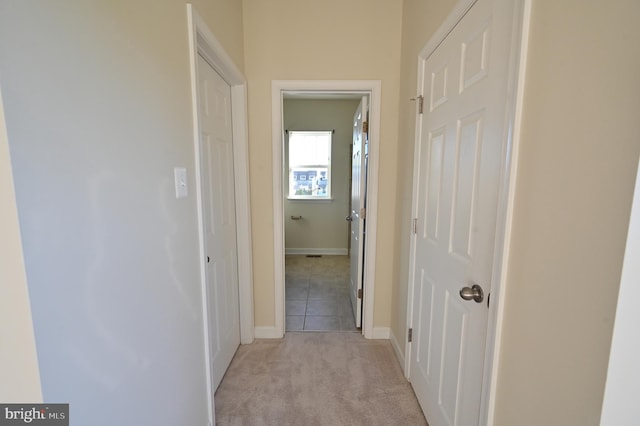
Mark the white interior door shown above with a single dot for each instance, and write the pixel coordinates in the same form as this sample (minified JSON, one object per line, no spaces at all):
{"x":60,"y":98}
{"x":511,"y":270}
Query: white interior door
{"x":356,"y":216}
{"x":219,"y":217}
{"x":459,"y":170}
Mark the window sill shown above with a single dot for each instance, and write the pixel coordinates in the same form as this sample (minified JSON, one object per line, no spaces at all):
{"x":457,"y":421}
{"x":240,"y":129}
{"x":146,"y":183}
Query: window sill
{"x":310,"y":200}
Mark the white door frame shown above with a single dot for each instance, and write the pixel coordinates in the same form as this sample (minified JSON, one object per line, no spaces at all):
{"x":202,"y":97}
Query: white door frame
{"x":517,"y":68}
{"x":202,"y":41}
{"x":373,"y":89}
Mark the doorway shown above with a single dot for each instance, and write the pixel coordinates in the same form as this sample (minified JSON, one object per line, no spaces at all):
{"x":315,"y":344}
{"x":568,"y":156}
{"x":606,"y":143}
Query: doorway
{"x":318,"y":140}
{"x":284,"y":90}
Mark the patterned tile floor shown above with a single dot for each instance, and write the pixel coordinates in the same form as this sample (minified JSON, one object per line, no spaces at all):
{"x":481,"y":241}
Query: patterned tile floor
{"x":317,"y":294}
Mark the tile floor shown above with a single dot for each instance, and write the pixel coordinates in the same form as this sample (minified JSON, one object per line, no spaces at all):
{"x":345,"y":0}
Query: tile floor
{"x":317,"y":294}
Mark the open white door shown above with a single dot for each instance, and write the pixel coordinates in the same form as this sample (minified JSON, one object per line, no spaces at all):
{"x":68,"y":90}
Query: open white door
{"x":357,"y":214}
{"x":219,"y":217}
{"x":459,"y":170}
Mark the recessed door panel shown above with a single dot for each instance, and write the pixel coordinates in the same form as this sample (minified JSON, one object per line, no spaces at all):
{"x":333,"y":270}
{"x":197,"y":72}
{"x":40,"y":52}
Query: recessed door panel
{"x":434,"y":184}
{"x":438,"y":87}
{"x":466,"y":168}
{"x":475,"y":55}
{"x":424,"y":331}
{"x":453,"y":340}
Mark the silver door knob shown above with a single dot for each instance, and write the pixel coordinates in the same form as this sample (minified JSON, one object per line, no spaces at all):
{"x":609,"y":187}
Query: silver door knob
{"x":474,"y":293}
{"x":348,"y":218}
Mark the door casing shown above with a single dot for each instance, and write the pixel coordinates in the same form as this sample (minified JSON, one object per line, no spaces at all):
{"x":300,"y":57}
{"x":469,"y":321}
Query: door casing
{"x":517,"y":68}
{"x":365,"y":87}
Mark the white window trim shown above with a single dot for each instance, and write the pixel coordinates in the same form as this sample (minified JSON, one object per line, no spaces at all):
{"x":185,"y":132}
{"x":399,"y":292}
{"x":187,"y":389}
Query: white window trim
{"x":311,"y":198}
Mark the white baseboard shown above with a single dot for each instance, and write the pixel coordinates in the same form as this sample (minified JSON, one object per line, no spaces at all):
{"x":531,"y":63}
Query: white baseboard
{"x":320,"y":251}
{"x":267,"y":333}
{"x":380,"y":333}
{"x":396,"y":349}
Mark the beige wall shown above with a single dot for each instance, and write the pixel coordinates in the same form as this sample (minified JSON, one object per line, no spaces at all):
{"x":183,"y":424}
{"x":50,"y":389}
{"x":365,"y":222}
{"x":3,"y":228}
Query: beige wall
{"x":576,"y":171}
{"x":577,"y":167}
{"x":224,"y":19}
{"x":324,"y":40}
{"x":323,"y":224}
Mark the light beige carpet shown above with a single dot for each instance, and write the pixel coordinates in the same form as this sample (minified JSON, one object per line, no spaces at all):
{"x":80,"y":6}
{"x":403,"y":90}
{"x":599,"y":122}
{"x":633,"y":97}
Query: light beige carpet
{"x":316,"y":379}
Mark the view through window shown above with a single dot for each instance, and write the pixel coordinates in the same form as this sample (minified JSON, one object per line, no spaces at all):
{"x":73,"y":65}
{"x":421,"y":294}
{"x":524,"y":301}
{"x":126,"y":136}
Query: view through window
{"x":310,"y":164}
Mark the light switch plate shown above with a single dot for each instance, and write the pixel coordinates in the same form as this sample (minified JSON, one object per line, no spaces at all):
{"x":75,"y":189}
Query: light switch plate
{"x":180,"y":177}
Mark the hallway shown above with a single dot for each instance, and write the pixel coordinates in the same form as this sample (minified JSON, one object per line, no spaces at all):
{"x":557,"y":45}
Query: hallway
{"x":316,"y":379}
{"x":324,"y":377}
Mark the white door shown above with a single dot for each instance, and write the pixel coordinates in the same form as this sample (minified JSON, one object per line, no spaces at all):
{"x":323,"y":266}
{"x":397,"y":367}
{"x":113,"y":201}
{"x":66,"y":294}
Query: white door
{"x":459,"y":170}
{"x":219,"y":217}
{"x":356,"y":217}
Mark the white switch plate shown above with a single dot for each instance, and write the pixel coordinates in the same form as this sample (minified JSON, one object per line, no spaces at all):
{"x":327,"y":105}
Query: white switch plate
{"x":180,"y":177}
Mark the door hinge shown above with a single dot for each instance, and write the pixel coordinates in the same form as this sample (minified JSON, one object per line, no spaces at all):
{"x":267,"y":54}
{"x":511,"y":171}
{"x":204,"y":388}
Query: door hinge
{"x":410,"y":335}
{"x":363,"y":213}
{"x":414,"y":226}
{"x":420,"y":100}
{"x":359,"y":293}
{"x":365,"y":127}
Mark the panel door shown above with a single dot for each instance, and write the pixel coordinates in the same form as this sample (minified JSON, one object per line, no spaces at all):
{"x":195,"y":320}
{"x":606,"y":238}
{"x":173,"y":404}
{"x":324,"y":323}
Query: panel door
{"x":358,"y":182}
{"x":458,"y":176}
{"x":219,"y":218}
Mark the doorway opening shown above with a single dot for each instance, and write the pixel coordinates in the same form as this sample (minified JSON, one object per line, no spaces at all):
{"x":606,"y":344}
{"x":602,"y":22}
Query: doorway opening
{"x":313,"y":293}
{"x":318,"y":140}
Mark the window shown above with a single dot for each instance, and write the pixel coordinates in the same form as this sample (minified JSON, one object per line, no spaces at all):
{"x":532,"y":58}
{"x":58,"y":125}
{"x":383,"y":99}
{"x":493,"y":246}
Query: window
{"x":310,"y":165}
